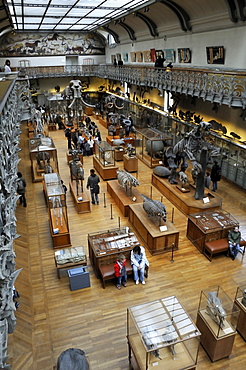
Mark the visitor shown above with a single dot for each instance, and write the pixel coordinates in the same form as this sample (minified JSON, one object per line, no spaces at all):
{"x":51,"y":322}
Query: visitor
{"x":7,"y":68}
{"x":234,"y":238}
{"x":64,"y":187}
{"x":138,"y":262}
{"x":91,"y":143}
{"x":120,"y":271}
{"x":207,"y":180}
{"x":92,"y":184}
{"x":215,"y":175}
{"x":21,"y":188}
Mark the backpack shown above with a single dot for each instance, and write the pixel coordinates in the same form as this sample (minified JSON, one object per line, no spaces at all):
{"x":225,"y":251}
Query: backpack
{"x":20,"y":185}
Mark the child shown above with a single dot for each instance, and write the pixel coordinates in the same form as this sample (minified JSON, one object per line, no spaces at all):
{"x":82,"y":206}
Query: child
{"x":207,"y":180}
{"x":120,"y":271}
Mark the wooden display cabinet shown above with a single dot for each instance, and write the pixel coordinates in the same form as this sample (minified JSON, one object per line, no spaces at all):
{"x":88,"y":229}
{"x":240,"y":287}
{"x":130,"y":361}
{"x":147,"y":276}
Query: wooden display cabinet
{"x":68,"y":258}
{"x":119,"y":153}
{"x":81,"y":199}
{"x":161,"y":335}
{"x":105,"y":246}
{"x":57,"y":210}
{"x":104,"y":160}
{"x":130,"y":163}
{"x":149,"y":229}
{"x":122,"y":198}
{"x":208,"y":226}
{"x":240,"y":302}
{"x":185,"y":200}
{"x":217,"y":321}
{"x":42,"y":154}
{"x":148,"y":143}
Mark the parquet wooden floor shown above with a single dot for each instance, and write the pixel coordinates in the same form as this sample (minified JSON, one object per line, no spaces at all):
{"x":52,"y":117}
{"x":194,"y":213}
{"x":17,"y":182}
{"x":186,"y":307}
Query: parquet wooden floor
{"x":51,"y":318}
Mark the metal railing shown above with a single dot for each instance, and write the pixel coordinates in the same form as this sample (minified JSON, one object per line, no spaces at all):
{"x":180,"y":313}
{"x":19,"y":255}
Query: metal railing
{"x":216,"y":86}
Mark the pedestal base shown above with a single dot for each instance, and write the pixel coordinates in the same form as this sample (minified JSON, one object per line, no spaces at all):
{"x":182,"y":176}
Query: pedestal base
{"x":186,"y":202}
{"x":121,"y":198}
{"x":130,"y":163}
{"x":82,"y":206}
{"x":148,"y":228}
{"x":107,"y":173}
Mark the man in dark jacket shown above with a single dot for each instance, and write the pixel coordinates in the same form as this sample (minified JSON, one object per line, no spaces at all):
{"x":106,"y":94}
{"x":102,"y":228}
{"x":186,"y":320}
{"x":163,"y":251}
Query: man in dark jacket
{"x":234,"y":238}
{"x":92,"y":184}
{"x":215,"y":174}
{"x":21,"y":188}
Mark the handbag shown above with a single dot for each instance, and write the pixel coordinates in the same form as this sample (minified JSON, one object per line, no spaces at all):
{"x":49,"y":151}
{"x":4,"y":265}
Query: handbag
{"x":96,"y":189}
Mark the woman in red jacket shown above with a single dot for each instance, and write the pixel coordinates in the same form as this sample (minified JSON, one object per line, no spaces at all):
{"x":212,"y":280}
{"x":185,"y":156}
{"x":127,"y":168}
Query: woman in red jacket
{"x":120,"y":271}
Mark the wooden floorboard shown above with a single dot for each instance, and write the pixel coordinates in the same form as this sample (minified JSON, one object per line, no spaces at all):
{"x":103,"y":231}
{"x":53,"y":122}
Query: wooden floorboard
{"x":51,"y":318}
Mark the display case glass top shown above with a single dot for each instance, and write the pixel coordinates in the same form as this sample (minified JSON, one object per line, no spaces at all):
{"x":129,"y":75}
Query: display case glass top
{"x":105,"y":153}
{"x":211,"y":220}
{"x":218,"y":311}
{"x":161,"y":334}
{"x":53,"y":184}
{"x":111,"y":241}
{"x":241,"y":296}
{"x":41,"y":144}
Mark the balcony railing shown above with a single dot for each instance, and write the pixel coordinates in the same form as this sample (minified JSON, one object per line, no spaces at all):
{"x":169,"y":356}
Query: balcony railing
{"x":216,"y":86}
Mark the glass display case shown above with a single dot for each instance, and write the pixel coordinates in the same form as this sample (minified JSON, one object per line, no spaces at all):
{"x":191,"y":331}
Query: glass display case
{"x":105,"y":246}
{"x":53,"y":187}
{"x":67,"y":258}
{"x":240,"y":302}
{"x":208,"y":226}
{"x":105,"y":153}
{"x":57,"y":210}
{"x":150,"y":146}
{"x":161,"y":334}
{"x":217,"y":320}
{"x":43,"y":157}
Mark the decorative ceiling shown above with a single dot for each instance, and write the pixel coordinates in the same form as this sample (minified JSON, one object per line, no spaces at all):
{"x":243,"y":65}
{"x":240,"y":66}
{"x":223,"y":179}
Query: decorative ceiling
{"x":123,"y":19}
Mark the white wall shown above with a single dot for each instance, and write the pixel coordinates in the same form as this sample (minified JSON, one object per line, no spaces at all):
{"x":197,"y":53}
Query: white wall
{"x":233,"y":40}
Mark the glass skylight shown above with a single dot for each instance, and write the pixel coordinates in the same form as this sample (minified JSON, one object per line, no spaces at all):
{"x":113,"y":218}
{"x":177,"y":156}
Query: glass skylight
{"x":68,"y":14}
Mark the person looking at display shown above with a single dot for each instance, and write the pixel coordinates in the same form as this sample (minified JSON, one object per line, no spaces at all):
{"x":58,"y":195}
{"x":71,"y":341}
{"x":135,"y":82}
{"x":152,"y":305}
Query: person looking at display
{"x":138,"y":262}
{"x":215,"y":175}
{"x":92,"y":184}
{"x":234,"y":238}
{"x":120,"y":271}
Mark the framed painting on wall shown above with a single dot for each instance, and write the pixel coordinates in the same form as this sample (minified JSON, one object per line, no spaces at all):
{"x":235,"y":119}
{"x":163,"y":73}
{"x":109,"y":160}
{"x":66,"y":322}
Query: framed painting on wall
{"x":215,"y":54}
{"x":118,"y":56}
{"x":169,"y":55}
{"x":184,"y":55}
{"x":133,"y":56}
{"x":152,"y":53}
{"x":139,"y":56}
{"x":125,"y":57}
{"x":159,"y":53}
{"x":147,"y":56}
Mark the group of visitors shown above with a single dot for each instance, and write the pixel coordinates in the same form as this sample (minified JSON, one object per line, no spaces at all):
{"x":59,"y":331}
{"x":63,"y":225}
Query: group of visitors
{"x":138,"y":261}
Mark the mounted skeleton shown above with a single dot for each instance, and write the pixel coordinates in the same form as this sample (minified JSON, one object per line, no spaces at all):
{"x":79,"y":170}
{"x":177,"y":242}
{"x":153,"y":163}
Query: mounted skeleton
{"x":43,"y":158}
{"x":154,"y":208}
{"x":126,"y":180}
{"x":57,"y":209}
{"x":77,"y":173}
{"x":215,"y":310}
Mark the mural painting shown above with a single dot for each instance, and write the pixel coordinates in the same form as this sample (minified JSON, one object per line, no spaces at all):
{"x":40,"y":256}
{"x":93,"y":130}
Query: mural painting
{"x":34,"y":44}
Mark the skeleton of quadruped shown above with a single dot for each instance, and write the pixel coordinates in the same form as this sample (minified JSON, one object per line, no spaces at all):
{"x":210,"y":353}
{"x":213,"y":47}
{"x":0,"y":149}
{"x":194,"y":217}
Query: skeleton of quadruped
{"x":154,"y":208}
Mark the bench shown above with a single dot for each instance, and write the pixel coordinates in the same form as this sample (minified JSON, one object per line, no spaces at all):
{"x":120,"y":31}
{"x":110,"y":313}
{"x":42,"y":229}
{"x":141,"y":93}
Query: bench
{"x":220,"y":246}
{"x":107,"y":272}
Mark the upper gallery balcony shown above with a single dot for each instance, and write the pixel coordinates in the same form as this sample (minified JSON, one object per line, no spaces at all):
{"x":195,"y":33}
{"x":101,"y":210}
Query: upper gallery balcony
{"x":215,"y":85}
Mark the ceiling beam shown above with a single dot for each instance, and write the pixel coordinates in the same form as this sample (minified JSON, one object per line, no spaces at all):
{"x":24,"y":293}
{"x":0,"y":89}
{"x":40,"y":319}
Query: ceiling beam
{"x":128,"y":29}
{"x":182,"y":15}
{"x":151,"y":25}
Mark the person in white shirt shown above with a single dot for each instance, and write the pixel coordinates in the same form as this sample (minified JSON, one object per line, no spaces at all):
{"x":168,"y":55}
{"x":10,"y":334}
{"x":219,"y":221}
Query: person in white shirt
{"x":7,"y":68}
